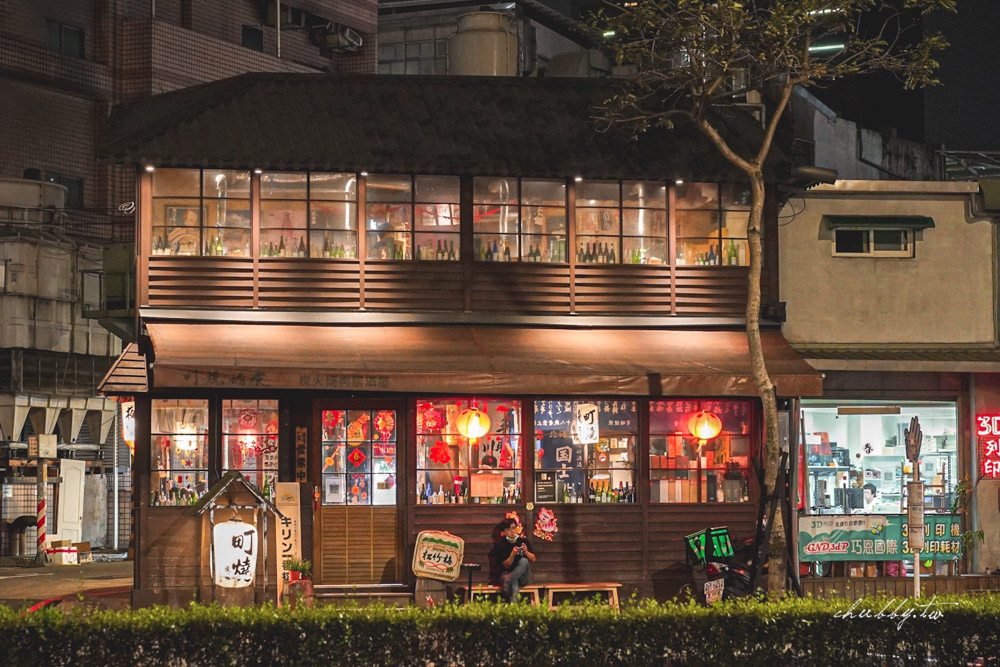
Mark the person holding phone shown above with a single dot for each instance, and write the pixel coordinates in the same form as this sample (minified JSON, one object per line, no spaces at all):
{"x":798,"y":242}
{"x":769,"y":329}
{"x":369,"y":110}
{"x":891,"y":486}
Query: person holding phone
{"x":513,"y":553}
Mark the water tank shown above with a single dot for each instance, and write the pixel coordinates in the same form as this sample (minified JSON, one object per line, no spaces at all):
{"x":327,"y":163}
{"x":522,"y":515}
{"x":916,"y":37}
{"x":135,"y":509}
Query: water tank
{"x":485,"y":45}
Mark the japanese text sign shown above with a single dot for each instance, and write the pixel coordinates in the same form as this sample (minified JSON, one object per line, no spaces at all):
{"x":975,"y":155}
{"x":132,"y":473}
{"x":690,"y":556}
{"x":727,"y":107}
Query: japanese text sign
{"x":235,"y":554}
{"x":289,"y":539}
{"x":587,"y":424}
{"x":438,"y":555}
{"x":301,"y":454}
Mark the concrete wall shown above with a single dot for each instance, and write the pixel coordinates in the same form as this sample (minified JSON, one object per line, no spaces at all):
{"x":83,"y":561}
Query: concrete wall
{"x":942,"y":295}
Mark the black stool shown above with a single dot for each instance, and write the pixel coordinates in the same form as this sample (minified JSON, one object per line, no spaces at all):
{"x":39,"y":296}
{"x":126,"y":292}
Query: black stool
{"x":470,"y":568}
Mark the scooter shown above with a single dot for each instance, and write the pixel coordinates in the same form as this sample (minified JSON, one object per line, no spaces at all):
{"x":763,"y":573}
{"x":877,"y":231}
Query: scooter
{"x":719,"y":572}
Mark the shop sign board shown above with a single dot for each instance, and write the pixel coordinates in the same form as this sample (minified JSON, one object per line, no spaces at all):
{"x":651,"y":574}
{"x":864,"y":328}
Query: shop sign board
{"x":988,"y":434}
{"x":234,"y":550}
{"x":587,"y":424}
{"x":713,"y":590}
{"x":289,"y":539}
{"x":438,"y":555}
{"x":301,"y":454}
{"x":863,"y":537}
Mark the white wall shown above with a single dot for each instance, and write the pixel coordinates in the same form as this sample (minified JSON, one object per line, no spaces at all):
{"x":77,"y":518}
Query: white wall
{"x":943,"y":295}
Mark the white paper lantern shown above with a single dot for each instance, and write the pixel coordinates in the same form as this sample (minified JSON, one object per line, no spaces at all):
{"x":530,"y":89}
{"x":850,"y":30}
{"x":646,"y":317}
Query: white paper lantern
{"x":235,"y":552}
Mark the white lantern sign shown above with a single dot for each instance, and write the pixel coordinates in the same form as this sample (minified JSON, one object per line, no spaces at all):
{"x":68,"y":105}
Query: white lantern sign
{"x":587,"y":424}
{"x":235,"y":554}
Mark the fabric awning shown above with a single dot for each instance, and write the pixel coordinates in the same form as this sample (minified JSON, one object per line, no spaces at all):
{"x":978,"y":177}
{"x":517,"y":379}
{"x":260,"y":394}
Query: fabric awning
{"x":471,"y":360}
{"x":879,"y":221}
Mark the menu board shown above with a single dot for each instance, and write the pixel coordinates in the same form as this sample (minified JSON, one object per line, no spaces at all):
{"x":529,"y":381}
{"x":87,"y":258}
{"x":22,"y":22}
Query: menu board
{"x":545,"y":487}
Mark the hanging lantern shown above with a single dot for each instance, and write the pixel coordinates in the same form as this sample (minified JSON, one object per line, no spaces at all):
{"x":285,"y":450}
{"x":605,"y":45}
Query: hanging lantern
{"x":704,"y":425}
{"x":473,"y":423}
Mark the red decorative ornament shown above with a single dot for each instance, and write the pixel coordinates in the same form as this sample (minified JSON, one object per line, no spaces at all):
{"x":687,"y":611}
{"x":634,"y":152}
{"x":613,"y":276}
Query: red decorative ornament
{"x":385,"y":422}
{"x":429,"y":418}
{"x":359,"y":429}
{"x":357,"y":457}
{"x":247,"y":418}
{"x":546,"y":524}
{"x":331,"y":418}
{"x":439,"y":452}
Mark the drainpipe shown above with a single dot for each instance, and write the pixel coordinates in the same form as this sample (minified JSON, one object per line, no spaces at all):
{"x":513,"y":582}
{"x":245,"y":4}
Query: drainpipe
{"x":277,"y":22}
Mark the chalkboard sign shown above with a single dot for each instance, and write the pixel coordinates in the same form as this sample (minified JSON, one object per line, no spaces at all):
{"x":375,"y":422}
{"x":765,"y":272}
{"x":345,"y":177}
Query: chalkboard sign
{"x":545,"y":487}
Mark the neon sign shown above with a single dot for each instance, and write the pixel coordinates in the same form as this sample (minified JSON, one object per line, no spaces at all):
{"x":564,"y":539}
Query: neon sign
{"x":988,"y":432}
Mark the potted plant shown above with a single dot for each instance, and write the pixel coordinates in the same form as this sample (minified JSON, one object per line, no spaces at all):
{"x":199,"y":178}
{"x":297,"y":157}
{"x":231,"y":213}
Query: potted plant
{"x":297,"y":569}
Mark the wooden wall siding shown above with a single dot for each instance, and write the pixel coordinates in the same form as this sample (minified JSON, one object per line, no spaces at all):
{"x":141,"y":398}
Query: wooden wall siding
{"x":625,"y":288}
{"x":520,"y":288}
{"x":358,"y":546}
{"x":854,"y":588}
{"x":595,"y":542}
{"x":308,"y":283}
{"x":200,"y":282}
{"x":171,"y":549}
{"x":668,"y":524}
{"x":229,"y":282}
{"x":719,"y":290}
{"x":414,"y":286}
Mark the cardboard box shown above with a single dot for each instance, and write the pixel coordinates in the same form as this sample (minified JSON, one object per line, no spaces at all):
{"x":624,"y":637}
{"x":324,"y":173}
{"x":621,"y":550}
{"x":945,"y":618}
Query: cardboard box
{"x":855,"y":569}
{"x":83,"y":552}
{"x":63,"y":555}
{"x":60,"y":544}
{"x":871,"y":570}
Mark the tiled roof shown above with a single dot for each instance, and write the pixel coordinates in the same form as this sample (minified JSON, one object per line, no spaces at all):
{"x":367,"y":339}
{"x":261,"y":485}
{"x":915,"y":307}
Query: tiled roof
{"x":442,"y":124}
{"x":127,"y":374}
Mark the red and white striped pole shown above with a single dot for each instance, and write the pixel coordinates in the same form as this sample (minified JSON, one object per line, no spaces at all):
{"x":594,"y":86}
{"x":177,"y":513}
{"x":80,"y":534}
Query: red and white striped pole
{"x":41,"y":477}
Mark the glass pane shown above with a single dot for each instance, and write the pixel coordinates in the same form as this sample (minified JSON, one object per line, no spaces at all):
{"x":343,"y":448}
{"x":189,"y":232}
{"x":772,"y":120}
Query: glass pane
{"x":177,"y":213}
{"x":250,"y":435}
{"x":384,"y":425}
{"x":696,"y":195}
{"x":388,"y":245}
{"x":227,"y":213}
{"x":339,"y":187}
{"x":437,"y":189}
{"x":597,"y":193}
{"x":283,"y":215}
{"x":359,"y":489}
{"x":176,"y":241}
{"x":333,"y":245}
{"x":333,"y":215}
{"x":176,"y":183}
{"x":72,"y":42}
{"x":383,"y":489}
{"x":543,"y":192}
{"x":597,"y":250}
{"x":735,"y":224}
{"x":333,"y":457}
{"x":545,"y":249}
{"x":358,"y":457}
{"x":644,"y":251}
{"x":283,"y":243}
{"x":179,"y":416}
{"x":851,"y":240}
{"x":889,"y":239}
{"x":388,"y":188}
{"x":496,"y":248}
{"x":437,"y":217}
{"x":697,"y":223}
{"x":225,"y":183}
{"x":497,"y":219}
{"x":644,"y":194}
{"x":598,"y":221}
{"x":644,"y":222}
{"x":698,"y":252}
{"x":180,"y":451}
{"x":445,"y":486}
{"x":736,"y":196}
{"x":494,"y":190}
{"x":543,"y":220}
{"x":334,"y":425}
{"x":334,"y":490}
{"x":388,"y":217}
{"x":735,"y":252}
{"x":278,"y":185}
{"x":174,"y":488}
{"x":441,"y":247}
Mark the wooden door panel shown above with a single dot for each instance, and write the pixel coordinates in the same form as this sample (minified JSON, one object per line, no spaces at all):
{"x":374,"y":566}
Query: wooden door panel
{"x":359,"y":545}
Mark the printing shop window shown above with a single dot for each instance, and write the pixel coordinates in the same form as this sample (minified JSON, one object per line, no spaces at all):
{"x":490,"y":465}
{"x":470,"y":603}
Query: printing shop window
{"x":359,"y":457}
{"x":468,"y":451}
{"x":688,"y":466}
{"x":179,"y":451}
{"x":250,"y":441}
{"x":867,"y":242}
{"x":585,"y":451}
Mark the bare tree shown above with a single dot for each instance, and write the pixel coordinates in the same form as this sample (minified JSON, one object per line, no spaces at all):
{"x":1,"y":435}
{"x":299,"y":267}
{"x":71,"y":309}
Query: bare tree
{"x":693,"y":59}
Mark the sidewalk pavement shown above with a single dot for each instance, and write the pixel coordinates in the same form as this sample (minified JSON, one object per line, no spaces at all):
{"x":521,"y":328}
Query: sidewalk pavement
{"x":24,"y":586}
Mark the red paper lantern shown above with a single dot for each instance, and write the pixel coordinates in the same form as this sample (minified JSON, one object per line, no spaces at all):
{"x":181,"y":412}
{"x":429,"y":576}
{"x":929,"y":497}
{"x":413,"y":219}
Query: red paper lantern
{"x":704,"y":425}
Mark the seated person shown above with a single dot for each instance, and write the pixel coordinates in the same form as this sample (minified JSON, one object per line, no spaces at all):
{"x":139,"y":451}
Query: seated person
{"x":513,"y":553}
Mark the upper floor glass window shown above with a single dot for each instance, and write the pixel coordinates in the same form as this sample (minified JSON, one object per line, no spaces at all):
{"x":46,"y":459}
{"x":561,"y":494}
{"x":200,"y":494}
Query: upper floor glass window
{"x":63,"y":38}
{"x":201,"y":212}
{"x":412,"y":217}
{"x":712,"y":223}
{"x":519,"y":219}
{"x":621,"y":222}
{"x":178,"y":451}
{"x":308,"y":215}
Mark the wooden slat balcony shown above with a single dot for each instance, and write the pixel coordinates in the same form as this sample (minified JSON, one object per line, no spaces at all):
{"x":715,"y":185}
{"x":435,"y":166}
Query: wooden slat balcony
{"x":394,"y":286}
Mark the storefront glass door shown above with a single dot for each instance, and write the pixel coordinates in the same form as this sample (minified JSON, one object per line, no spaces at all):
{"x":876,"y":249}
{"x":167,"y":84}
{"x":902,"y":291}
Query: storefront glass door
{"x":358,"y":519}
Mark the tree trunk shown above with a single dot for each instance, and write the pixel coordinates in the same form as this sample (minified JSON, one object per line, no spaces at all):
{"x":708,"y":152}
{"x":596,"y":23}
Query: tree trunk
{"x":776,"y":545}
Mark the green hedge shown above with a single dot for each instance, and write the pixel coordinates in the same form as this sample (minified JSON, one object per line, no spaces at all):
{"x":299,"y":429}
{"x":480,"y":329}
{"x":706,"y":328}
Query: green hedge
{"x":803,"y":632}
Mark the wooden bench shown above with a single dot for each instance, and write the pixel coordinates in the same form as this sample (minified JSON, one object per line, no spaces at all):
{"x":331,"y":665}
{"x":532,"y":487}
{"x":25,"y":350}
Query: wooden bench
{"x":483,"y":590}
{"x":610,"y":589}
